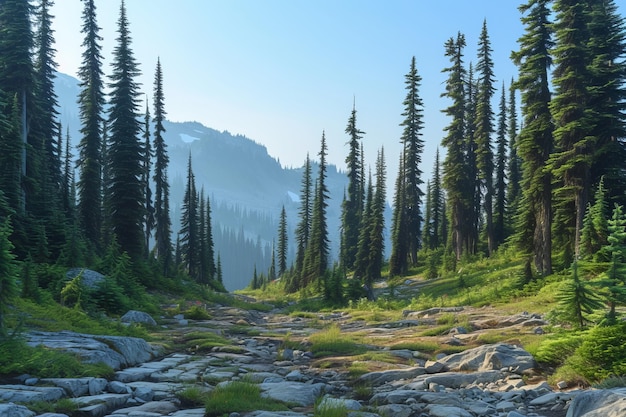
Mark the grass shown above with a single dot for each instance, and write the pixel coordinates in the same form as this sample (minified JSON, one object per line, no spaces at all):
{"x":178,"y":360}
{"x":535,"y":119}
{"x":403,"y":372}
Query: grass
{"x":328,"y":409}
{"x":192,"y":396}
{"x":16,"y":357}
{"x":63,"y":406}
{"x":239,"y":397}
{"x":202,"y":341}
{"x":331,"y":342}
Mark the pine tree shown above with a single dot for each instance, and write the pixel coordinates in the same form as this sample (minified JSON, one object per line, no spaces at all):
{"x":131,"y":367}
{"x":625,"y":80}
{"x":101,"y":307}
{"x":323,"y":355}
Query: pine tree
{"x":303,"y":230}
{"x":501,"y":166}
{"x":484,"y":130}
{"x":126,"y":152}
{"x":211,"y":269}
{"x":577,"y":300}
{"x":438,"y":211}
{"x":535,"y":142}
{"x":398,"y":262}
{"x":11,"y":158}
{"x":219,"y":274}
{"x":514,"y":173}
{"x":457,"y":180}
{"x":595,"y":227}
{"x":607,"y":69}
{"x":363,"y":256}
{"x":316,"y":257}
{"x":614,"y":279}
{"x":353,"y":203}
{"x":574,"y":125}
{"x":163,"y":223}
{"x":188,"y":234}
{"x":17,"y":80}
{"x":43,"y":132}
{"x":147,"y":164}
{"x":91,"y":103}
{"x":8,"y":273}
{"x":377,"y":223}
{"x":474,"y":212}
{"x":282,"y":243}
{"x":413,"y":148}
{"x":427,"y":229}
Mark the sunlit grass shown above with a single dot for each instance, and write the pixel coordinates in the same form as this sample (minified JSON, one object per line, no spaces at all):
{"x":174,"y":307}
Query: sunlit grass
{"x":332,"y":341}
{"x":238,"y":397}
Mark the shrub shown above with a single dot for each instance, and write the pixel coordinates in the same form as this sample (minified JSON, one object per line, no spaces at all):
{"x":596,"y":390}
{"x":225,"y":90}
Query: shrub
{"x":555,"y":351}
{"x":197,"y":313}
{"x":332,"y":342}
{"x":237,"y":397}
{"x":192,"y":396}
{"x":602,"y":353}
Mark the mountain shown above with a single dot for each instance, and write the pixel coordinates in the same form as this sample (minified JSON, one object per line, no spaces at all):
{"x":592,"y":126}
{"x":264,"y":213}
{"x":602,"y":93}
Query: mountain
{"x":246,"y":185}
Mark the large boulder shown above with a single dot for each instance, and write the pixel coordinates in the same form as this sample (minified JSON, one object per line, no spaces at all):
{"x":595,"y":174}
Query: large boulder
{"x":134,"y":316}
{"x":14,"y":410}
{"x":600,"y":403}
{"x":491,"y":357}
{"x":115,"y":351}
{"x":90,"y":279}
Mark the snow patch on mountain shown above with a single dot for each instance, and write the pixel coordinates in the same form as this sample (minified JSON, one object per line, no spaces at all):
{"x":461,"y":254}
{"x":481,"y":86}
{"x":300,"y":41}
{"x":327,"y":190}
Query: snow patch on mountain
{"x":187,"y":138}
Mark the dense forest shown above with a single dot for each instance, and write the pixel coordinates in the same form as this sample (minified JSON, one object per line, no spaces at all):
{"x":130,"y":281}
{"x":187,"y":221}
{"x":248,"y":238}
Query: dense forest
{"x":551,"y":185}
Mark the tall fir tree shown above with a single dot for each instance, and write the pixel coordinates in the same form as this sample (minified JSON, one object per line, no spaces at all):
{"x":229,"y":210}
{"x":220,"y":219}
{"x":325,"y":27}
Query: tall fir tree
{"x":574,"y":121}
{"x":413,"y":148}
{"x":353,"y":203}
{"x":483,"y":132}
{"x":91,"y":102}
{"x":148,"y":222}
{"x":398,"y":261}
{"x":514,"y":163}
{"x":438,"y":211}
{"x":316,"y":258}
{"x":607,"y":85}
{"x":377,"y":223}
{"x":189,"y":233}
{"x":44,"y":126}
{"x":125,"y":150}
{"x":303,"y":230}
{"x":457,"y":180}
{"x":501,"y":167}
{"x":282,"y":242}
{"x":535,"y":141}
{"x":163,"y":223}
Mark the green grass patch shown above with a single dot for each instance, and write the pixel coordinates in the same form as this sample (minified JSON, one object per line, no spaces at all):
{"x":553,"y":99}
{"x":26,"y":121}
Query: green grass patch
{"x":331,"y":342}
{"x":329,"y":409}
{"x":203,"y":341}
{"x":62,"y":406}
{"x":422,"y":346}
{"x":238,"y":397}
{"x":16,"y":357}
{"x":192,"y":396}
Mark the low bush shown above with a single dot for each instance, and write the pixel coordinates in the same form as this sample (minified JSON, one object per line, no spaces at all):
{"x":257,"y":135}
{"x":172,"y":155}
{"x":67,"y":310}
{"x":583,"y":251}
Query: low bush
{"x":238,"y":397}
{"x":331,"y":342}
{"x":602,"y":353}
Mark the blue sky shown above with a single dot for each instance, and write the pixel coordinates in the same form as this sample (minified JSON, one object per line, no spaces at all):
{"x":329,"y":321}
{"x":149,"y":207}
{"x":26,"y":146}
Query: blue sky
{"x":282,"y":71}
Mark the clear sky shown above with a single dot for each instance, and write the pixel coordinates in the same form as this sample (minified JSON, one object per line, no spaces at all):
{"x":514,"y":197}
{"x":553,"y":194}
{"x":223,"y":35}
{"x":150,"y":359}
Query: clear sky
{"x":282,"y":71}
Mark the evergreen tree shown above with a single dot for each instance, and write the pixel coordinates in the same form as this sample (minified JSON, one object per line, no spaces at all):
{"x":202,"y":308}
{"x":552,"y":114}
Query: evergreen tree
{"x":614,"y":280}
{"x":501,"y":165}
{"x":43,"y":132}
{"x":577,"y":300}
{"x":91,"y":103}
{"x":188,"y":234}
{"x":317,"y":252}
{"x":361,"y":265}
{"x":202,"y":277}
{"x":514,"y":173}
{"x":211,"y":269}
{"x":438,"y":211}
{"x":574,"y":125}
{"x":427,"y":229}
{"x":11,"y":158}
{"x":398,"y":262}
{"x":535,"y":141}
{"x":8,"y":273}
{"x":303,"y":230}
{"x":147,"y":163}
{"x":17,"y":80}
{"x":457,"y":179}
{"x":126,"y":152}
{"x":353,"y":203}
{"x":595,"y":227}
{"x":607,"y":70}
{"x":219,"y":274}
{"x":413,"y":148}
{"x":163,"y":223}
{"x":483,"y":132}
{"x":67,"y":178}
{"x":474,"y":212}
{"x":377,"y":223}
{"x":282,"y":242}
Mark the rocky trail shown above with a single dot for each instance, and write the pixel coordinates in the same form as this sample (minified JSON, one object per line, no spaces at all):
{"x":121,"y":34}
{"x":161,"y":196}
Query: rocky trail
{"x":498,"y":379}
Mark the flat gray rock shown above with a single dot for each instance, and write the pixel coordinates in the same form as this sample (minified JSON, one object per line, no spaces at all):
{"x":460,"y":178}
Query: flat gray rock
{"x":600,"y":403}
{"x":490,"y":357}
{"x":293,"y":392}
{"x":14,"y":410}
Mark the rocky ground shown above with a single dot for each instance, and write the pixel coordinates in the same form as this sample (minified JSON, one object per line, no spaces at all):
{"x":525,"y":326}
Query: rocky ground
{"x":499,"y":379}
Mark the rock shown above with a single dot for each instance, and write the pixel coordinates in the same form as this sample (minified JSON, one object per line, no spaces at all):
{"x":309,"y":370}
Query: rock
{"x":26,"y":394}
{"x":380,"y":377}
{"x":395,"y":410}
{"x":561,"y":384}
{"x":155,"y":408}
{"x":348,"y":404}
{"x":437,"y":410}
{"x":134,"y":316}
{"x":600,"y":403}
{"x":90,"y":279}
{"x":489,"y":357}
{"x":100,"y":405}
{"x":14,"y":410}
{"x":75,"y":387}
{"x":454,"y":380}
{"x":293,"y":392}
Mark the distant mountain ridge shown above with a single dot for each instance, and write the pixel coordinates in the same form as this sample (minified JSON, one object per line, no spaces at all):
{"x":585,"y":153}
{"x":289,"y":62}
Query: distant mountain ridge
{"x":244,"y":182}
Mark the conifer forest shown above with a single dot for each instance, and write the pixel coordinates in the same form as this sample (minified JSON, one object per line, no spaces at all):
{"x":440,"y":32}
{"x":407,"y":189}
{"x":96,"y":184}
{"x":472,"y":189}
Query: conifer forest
{"x":535,"y":165}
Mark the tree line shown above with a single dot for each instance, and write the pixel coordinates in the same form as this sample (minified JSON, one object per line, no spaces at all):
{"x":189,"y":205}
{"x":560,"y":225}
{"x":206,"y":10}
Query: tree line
{"x":120,"y":199}
{"x":529,"y":184}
